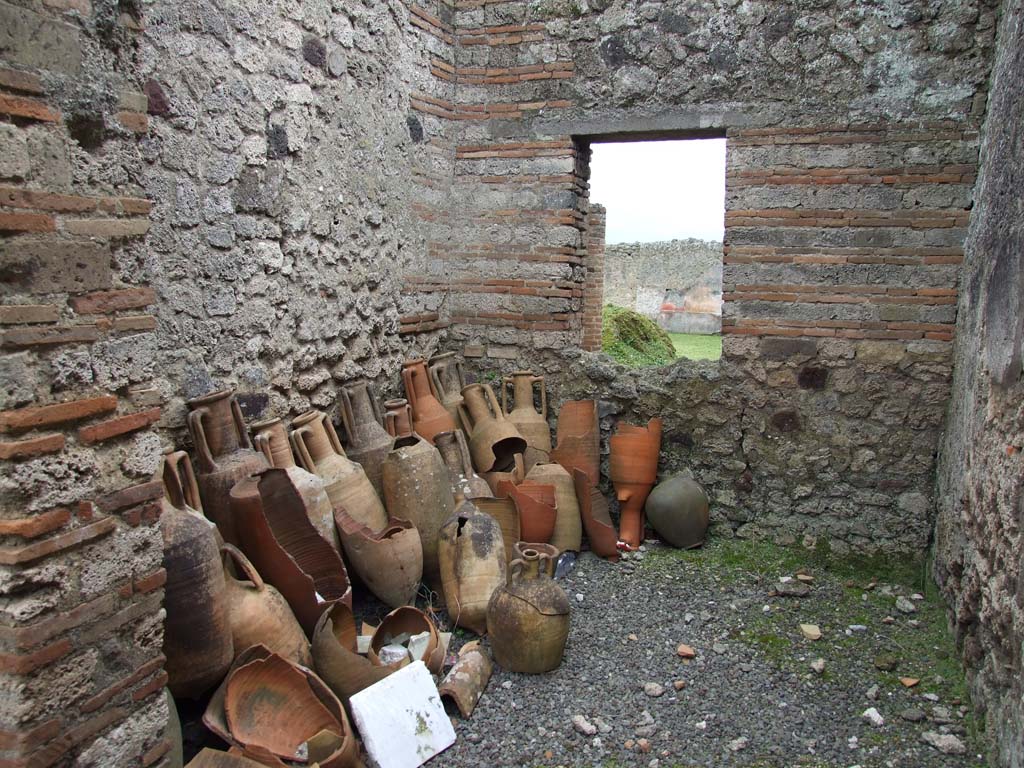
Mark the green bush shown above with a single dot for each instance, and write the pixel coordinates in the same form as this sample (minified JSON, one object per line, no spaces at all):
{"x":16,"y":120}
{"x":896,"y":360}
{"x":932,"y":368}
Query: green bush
{"x":633,"y":339}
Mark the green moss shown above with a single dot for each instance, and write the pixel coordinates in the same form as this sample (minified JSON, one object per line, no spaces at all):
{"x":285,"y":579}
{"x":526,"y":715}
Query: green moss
{"x":633,"y":339}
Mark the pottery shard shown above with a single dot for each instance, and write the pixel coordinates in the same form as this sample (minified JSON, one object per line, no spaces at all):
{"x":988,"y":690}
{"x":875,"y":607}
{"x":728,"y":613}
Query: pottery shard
{"x":686,"y":651}
{"x":810,"y":631}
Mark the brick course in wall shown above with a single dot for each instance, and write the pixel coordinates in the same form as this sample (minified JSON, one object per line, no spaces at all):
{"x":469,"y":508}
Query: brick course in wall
{"x":81,"y":669}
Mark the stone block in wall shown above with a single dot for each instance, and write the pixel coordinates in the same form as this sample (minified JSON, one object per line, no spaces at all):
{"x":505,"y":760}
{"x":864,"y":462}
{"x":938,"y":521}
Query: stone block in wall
{"x":39,"y":265}
{"x":38,"y":41}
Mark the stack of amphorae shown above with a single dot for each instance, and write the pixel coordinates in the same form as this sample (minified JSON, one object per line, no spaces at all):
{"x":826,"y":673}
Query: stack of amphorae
{"x":450,"y":494}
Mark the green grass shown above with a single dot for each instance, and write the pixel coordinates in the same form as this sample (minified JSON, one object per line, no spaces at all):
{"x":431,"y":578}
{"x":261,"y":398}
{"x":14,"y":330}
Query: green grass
{"x":696,"y":346}
{"x":634,"y":340}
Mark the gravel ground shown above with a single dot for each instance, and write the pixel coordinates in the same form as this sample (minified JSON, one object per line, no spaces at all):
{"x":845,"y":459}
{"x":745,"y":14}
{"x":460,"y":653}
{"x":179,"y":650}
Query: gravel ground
{"x":751,"y":697}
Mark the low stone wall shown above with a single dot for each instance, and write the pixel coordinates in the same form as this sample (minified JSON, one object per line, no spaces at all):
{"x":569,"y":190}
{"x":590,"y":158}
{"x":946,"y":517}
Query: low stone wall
{"x":677,"y":283}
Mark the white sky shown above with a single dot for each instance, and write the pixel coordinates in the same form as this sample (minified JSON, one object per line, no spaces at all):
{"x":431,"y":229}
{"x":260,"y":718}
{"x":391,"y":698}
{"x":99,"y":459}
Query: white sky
{"x":660,"y":190}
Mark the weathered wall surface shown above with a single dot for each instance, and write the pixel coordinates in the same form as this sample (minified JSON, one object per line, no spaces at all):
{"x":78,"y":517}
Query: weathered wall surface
{"x":81,"y":583}
{"x":285,"y":160}
{"x":852,"y":148}
{"x":676,"y":282}
{"x":979,"y":542}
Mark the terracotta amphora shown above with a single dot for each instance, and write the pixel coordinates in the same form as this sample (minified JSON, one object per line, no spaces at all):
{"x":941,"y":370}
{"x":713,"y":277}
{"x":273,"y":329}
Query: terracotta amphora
{"x":472,"y":555}
{"x":197,"y":632}
{"x":389,"y":562}
{"x":597,"y":522}
{"x":568,"y":532}
{"x":493,"y":440}
{"x":528,"y":618}
{"x":446,"y":382}
{"x":677,"y":509}
{"x":579,"y":439}
{"x":417,"y":488}
{"x":633,"y":468}
{"x":337,"y":663}
{"x":285,"y":547}
{"x":319,"y":450}
{"x":368,"y":441}
{"x":532,"y":425}
{"x":504,"y":511}
{"x":455,"y":453}
{"x":514,"y":475}
{"x":398,"y":418}
{"x":259,"y":614}
{"x":224,"y":454}
{"x":311,"y":728}
{"x":536,"y":505}
{"x":428,"y":415}
{"x":271,"y":439}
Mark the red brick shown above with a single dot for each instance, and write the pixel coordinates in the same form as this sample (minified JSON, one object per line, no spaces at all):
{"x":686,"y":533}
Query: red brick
{"x":37,"y":525}
{"x":95,"y":702}
{"x":43,"y":337}
{"x":26,"y":222}
{"x":19,"y":106}
{"x":107,"y":227}
{"x":22,"y":314}
{"x":35,"y":446}
{"x":135,"y":323}
{"x":23,"y":663}
{"x":122,"y":425}
{"x":54,"y":750}
{"x":32,"y":635}
{"x":154,"y":753}
{"x":102,"y":302}
{"x":151,"y":512}
{"x":137,"y":122}
{"x":153,"y":686}
{"x":57,"y":413}
{"x":18,"y":197}
{"x":28,"y":740}
{"x":131,"y":497}
{"x":155,"y":580}
{"x":20,"y":81}
{"x":30,"y":552}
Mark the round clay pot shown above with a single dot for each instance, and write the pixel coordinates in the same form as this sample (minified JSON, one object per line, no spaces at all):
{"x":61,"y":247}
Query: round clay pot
{"x":345,"y":671}
{"x":224,"y":455}
{"x":472,"y":555}
{"x":528,"y":618}
{"x":677,"y":509}
{"x":197,"y":631}
{"x":407,"y":620}
{"x":428,"y":415}
{"x":389,"y":562}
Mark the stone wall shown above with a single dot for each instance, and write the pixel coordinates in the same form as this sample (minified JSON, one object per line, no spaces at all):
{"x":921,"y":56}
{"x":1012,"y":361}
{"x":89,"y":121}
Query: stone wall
{"x":979,"y":543}
{"x":81,"y":583}
{"x":677,"y":282}
{"x":852,"y":141}
{"x":290,"y":145}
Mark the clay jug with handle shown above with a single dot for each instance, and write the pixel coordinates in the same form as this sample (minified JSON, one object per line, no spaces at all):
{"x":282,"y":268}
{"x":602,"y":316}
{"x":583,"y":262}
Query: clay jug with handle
{"x":319,"y":450}
{"x":368,"y":441}
{"x":197,"y":632}
{"x":528,"y":618}
{"x":446,"y":382}
{"x":398,"y":418}
{"x":259,"y":615}
{"x":493,"y":439}
{"x":224,"y":455}
{"x":532,"y":425}
{"x":272,"y":440}
{"x":428,"y":415}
